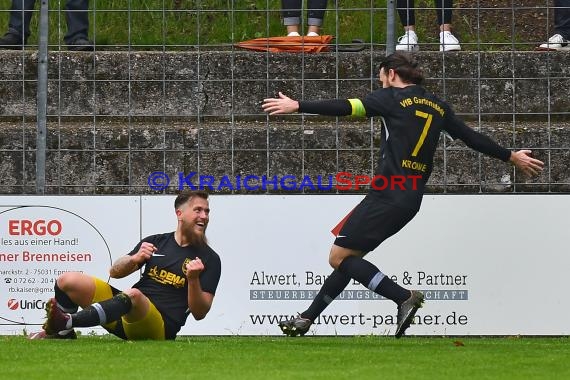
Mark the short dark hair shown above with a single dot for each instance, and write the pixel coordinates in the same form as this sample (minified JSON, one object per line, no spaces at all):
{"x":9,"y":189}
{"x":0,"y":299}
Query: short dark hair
{"x":185,"y":195}
{"x":405,"y":65}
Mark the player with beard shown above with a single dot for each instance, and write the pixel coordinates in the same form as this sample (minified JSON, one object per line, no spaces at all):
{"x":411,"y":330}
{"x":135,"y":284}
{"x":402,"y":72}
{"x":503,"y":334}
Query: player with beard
{"x":180,"y":277}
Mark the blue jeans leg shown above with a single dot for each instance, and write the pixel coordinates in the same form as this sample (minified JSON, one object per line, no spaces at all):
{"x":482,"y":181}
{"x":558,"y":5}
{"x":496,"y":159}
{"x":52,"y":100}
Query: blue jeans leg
{"x":77,"y":17}
{"x":20,"y":15}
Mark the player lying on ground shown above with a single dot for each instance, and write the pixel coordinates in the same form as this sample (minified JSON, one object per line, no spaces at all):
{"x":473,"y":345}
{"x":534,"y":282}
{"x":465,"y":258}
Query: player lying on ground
{"x":180,"y":277}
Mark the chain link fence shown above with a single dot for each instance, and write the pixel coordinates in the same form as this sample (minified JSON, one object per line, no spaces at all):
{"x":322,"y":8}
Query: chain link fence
{"x":135,"y":97}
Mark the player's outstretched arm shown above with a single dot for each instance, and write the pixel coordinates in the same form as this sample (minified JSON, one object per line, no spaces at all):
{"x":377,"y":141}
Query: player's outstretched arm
{"x":523,"y":161}
{"x":281,"y":105}
{"x":327,"y":107}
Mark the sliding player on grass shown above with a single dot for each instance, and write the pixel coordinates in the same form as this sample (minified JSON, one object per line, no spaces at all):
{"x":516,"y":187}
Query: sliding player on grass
{"x":412,"y":120}
{"x":180,"y":277}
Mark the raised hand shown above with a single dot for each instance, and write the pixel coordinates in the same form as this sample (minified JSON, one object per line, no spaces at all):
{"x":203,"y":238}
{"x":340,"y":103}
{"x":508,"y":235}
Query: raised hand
{"x":281,"y":105}
{"x":524,"y":162}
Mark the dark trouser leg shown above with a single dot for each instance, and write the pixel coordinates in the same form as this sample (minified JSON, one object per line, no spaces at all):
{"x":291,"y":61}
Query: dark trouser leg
{"x":406,"y":12}
{"x":562,"y":18}
{"x":20,"y":16}
{"x":444,"y":11}
{"x":291,"y":10}
{"x":77,"y":18}
{"x":316,"y":12}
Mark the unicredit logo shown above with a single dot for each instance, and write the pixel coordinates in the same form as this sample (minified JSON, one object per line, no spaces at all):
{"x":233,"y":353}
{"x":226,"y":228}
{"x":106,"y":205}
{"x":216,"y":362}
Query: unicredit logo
{"x":14,"y":304}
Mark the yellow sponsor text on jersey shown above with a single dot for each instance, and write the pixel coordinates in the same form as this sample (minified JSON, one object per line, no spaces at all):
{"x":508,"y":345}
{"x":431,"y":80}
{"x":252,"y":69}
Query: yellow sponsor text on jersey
{"x":165,"y":277}
{"x":423,"y":101}
{"x":414,"y":165}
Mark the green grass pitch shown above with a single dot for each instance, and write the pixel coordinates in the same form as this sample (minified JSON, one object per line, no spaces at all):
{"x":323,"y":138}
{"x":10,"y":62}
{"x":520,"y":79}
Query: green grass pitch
{"x":314,"y":357}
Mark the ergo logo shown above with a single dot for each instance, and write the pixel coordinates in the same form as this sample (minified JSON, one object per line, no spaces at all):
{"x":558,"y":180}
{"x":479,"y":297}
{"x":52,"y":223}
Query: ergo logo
{"x":39,"y":227}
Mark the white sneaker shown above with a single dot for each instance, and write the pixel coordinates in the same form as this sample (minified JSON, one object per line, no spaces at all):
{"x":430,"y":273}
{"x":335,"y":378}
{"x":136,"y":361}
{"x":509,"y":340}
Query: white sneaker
{"x":312,"y":34}
{"x":408,"y":42}
{"x":556,"y":42}
{"x":448,"y":42}
{"x":293,"y":34}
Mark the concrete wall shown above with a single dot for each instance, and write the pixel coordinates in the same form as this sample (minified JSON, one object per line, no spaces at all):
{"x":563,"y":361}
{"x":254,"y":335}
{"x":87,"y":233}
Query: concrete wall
{"x":115,"y":117}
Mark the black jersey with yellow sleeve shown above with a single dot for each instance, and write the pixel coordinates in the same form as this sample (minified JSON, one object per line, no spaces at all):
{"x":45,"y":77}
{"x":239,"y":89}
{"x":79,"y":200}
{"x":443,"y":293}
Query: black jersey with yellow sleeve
{"x":412,"y":120}
{"x":164,"y":281}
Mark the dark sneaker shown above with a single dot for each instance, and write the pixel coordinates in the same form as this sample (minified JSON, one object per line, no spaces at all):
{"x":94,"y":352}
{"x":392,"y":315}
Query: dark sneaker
{"x":295,"y":326}
{"x":407,"y":310}
{"x":43,"y":335}
{"x":56,"y":319}
{"x":81,"y":44}
{"x":11,"y":41}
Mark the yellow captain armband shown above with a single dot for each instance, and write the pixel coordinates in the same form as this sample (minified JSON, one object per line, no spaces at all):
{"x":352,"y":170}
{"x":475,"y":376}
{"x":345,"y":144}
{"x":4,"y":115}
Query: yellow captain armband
{"x":357,"y":107}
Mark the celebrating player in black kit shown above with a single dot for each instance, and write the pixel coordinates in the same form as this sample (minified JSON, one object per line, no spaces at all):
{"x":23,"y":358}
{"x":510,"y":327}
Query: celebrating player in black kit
{"x":180,"y":277}
{"x":412,"y":120}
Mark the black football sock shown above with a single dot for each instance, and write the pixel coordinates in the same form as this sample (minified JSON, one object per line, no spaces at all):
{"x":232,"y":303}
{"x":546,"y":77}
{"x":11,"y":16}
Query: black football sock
{"x":332,"y":287}
{"x":370,"y":276}
{"x":103,"y":312}
{"x":392,"y":290}
{"x":63,"y":301}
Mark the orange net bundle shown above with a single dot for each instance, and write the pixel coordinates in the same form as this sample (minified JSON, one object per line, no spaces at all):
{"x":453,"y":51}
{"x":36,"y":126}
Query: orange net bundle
{"x":301,"y":44}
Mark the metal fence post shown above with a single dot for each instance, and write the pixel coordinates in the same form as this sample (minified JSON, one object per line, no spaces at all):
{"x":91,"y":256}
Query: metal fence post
{"x":390,"y":26}
{"x":42,"y":99}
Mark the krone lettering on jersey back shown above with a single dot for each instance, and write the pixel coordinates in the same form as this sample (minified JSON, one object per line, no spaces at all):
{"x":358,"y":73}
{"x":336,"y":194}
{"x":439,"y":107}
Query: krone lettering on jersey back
{"x":163,"y":276}
{"x":414,"y":165}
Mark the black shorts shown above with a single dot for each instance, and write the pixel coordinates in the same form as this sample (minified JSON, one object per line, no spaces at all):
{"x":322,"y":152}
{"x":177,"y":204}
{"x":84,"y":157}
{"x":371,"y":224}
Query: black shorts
{"x":370,"y":223}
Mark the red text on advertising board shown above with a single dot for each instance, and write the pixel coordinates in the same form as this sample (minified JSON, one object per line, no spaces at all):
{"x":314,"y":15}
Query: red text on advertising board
{"x":38,"y":227}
